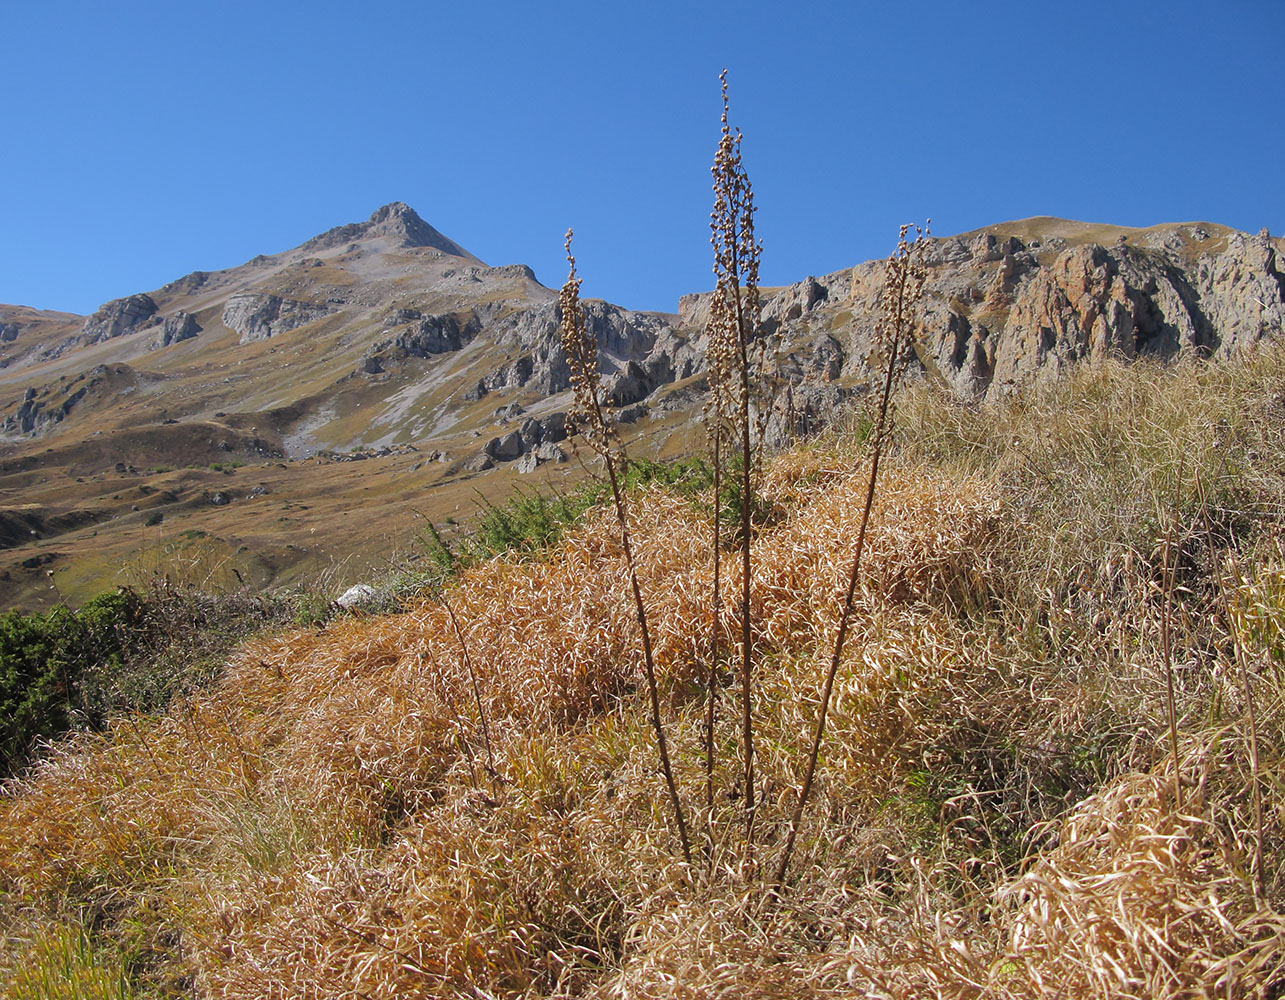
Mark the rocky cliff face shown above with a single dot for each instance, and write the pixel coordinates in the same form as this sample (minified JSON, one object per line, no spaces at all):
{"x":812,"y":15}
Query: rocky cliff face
{"x":117,"y":318}
{"x":1003,"y":311}
{"x":401,"y":332}
{"x":179,"y":327}
{"x":1006,"y":314}
{"x":624,"y":338}
{"x":256,"y":316}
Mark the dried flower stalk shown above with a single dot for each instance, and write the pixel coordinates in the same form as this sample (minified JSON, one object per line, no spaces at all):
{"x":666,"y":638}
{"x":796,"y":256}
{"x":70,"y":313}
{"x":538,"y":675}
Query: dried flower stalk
{"x":740,"y":376}
{"x":597,"y":428}
{"x":902,"y":291}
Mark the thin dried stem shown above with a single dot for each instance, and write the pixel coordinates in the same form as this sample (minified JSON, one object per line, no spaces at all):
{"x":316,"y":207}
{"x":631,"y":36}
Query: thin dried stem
{"x":903,"y":288}
{"x":589,"y":420}
{"x":477,"y":691}
{"x":738,"y":371}
{"x":1166,"y":645}
{"x":711,"y":674}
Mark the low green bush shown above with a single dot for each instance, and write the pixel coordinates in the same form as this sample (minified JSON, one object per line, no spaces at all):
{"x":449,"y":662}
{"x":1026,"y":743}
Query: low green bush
{"x":121,"y":652}
{"x":45,"y":666}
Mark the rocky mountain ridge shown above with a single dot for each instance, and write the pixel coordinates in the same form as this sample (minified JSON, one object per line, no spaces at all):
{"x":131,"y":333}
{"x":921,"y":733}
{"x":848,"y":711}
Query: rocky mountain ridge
{"x":385,"y":340}
{"x":394,"y":298}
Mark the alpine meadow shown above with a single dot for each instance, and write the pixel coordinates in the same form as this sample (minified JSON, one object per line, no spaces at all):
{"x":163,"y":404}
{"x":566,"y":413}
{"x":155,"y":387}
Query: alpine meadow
{"x":914,"y":631}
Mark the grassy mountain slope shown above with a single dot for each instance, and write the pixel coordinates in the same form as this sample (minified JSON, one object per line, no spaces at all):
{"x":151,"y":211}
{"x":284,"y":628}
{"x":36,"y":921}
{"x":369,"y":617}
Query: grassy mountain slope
{"x":384,"y":334}
{"x":997,"y":814}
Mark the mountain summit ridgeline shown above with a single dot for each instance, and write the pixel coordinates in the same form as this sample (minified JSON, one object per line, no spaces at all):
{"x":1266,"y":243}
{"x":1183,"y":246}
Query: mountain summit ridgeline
{"x":386,"y":336}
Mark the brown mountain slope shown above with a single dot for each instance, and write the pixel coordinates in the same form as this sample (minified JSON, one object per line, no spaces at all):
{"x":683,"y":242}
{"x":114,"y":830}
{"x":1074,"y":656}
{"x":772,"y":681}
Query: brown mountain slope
{"x":385,"y":336}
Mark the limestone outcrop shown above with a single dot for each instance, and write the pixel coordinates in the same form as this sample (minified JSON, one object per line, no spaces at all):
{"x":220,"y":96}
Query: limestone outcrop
{"x":648,"y":341}
{"x":1001,"y":312}
{"x":257,"y":316}
{"x":534,"y":442}
{"x":117,"y":318}
{"x":180,"y":326}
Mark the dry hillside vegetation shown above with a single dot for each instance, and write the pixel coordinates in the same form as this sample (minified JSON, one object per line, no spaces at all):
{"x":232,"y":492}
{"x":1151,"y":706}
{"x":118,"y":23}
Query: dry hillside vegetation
{"x":995,"y":811}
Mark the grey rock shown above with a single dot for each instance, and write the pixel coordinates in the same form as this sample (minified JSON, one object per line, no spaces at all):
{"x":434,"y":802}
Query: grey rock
{"x":550,"y":452}
{"x":479,"y":462}
{"x":531,"y":432}
{"x":8,"y":332}
{"x":546,"y":452}
{"x":553,"y":427}
{"x":621,"y":335}
{"x":361,"y":595}
{"x":33,"y":416}
{"x":629,"y":385}
{"x":180,"y":326}
{"x":117,"y":318}
{"x":420,"y":336}
{"x":1242,"y":293}
{"x":632,"y":414}
{"x":794,"y":302}
{"x":256,"y":316}
{"x":505,"y":448}
{"x":187,"y":284}
{"x":220,"y":499}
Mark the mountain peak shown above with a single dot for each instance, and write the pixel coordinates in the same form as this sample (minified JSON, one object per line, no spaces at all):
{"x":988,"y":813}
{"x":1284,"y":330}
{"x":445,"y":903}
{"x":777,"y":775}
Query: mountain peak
{"x":401,"y":222}
{"x":397,"y":222}
{"x":394,"y":210}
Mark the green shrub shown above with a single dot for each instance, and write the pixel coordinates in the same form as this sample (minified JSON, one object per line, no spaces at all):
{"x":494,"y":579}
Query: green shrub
{"x":121,"y":652}
{"x":45,"y":661}
{"x":34,"y":693}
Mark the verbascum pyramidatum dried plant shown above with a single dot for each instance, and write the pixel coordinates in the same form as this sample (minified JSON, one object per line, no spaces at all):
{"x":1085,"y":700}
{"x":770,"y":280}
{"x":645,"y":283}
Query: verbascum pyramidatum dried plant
{"x":902,"y":293}
{"x":742,"y":370}
{"x":596,"y":426}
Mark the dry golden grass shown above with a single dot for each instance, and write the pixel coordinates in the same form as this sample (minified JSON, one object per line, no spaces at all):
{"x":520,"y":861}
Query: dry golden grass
{"x":993,"y":814}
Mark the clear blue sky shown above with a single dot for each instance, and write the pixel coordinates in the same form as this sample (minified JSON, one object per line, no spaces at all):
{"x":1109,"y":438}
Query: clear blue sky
{"x":146,"y":140}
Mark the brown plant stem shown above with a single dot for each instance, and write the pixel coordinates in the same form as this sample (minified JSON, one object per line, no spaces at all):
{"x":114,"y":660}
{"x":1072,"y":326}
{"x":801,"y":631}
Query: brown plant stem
{"x":906,"y":284}
{"x":662,"y":745}
{"x":1166,"y":646}
{"x":747,"y":706}
{"x":711,"y":676}
{"x":477,"y":692}
{"x":582,"y":358}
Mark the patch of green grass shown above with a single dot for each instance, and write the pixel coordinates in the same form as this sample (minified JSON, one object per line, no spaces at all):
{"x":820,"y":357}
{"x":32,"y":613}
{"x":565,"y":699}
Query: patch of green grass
{"x":65,"y":962}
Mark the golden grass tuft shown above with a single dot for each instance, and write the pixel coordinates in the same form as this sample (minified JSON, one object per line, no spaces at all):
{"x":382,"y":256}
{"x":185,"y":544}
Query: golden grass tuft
{"x":993,"y":814}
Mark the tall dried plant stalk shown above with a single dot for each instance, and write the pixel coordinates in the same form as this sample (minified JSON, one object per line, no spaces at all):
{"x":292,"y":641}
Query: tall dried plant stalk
{"x":740,"y":376}
{"x":711,"y":672}
{"x":1166,"y":643}
{"x":477,"y":693}
{"x":598,"y":430}
{"x":1242,"y":668}
{"x":902,"y":292}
